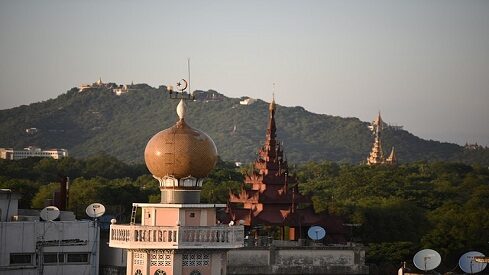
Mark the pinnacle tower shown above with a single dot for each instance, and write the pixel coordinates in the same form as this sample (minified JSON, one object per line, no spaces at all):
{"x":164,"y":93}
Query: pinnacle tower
{"x":272,"y":197}
{"x":377,"y":154}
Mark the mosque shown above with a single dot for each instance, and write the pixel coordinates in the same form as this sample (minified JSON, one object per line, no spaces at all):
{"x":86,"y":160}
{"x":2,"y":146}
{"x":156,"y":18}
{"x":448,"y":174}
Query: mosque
{"x":179,"y":235}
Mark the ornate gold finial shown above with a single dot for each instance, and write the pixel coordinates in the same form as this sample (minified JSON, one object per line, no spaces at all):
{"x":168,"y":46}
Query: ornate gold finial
{"x":272,"y":104}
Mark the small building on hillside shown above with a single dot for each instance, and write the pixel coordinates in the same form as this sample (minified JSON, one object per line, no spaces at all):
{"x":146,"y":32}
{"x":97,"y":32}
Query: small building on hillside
{"x":123,"y":89}
{"x":207,"y":96}
{"x":32,"y":151}
{"x":96,"y":85}
{"x":247,"y":101}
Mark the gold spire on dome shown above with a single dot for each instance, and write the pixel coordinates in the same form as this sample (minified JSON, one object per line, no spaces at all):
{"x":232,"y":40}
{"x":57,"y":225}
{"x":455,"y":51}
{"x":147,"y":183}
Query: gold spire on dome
{"x":181,"y":109}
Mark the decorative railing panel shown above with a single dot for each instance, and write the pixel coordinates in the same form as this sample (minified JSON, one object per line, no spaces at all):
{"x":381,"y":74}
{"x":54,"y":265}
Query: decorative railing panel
{"x":171,"y":237}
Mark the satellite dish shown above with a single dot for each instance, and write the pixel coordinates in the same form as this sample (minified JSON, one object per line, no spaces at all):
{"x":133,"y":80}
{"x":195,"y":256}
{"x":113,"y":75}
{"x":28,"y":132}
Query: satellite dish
{"x":469,"y":265}
{"x":316,"y":233}
{"x":427,"y":259}
{"x":50,"y":213}
{"x":95,"y":210}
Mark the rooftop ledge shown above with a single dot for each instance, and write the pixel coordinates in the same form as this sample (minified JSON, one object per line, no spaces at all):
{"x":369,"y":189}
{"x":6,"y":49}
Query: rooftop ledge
{"x":176,"y":237}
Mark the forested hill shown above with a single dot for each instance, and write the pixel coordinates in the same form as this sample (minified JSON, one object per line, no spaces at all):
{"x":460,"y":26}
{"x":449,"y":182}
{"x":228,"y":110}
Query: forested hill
{"x":97,"y":121}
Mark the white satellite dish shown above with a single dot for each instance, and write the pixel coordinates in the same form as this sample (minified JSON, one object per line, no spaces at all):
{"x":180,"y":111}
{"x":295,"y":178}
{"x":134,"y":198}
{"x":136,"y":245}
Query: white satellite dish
{"x":49,"y":213}
{"x":316,"y":233}
{"x":95,"y":210}
{"x":468,"y":264}
{"x":427,"y":259}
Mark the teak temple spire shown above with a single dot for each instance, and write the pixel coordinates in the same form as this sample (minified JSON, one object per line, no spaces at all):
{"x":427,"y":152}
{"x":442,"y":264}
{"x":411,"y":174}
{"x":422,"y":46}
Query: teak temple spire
{"x":270,"y":195}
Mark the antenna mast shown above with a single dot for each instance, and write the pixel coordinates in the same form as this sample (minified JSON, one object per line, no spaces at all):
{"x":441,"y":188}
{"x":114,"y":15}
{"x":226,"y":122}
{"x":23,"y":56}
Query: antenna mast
{"x":188,"y":68}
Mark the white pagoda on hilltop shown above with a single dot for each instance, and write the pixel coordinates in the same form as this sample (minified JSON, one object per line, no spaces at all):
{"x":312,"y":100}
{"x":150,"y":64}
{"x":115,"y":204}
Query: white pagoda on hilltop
{"x":179,"y":235}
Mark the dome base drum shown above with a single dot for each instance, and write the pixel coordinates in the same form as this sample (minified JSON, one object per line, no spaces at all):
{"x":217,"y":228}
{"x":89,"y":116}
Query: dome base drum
{"x":179,"y":196}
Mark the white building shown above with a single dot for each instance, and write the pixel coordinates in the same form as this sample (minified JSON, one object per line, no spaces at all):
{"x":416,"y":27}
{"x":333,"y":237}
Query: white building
{"x":123,"y":89}
{"x":31,"y":246}
{"x":247,"y":101}
{"x":31,"y":151}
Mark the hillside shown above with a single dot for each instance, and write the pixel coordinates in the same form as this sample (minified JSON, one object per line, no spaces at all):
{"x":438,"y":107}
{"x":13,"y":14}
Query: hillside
{"x":97,"y":121}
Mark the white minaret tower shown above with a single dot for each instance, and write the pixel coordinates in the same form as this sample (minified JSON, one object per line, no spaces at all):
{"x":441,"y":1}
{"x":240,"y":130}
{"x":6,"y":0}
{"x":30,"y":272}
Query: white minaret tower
{"x":179,"y":235}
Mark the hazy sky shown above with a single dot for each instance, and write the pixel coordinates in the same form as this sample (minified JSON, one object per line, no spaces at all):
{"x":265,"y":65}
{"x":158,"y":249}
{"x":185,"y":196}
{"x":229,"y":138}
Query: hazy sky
{"x":424,"y":64}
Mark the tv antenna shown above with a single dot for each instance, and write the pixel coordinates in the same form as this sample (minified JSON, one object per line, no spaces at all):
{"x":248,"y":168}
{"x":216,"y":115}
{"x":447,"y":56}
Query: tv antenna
{"x":468,"y":263}
{"x":427,"y":259}
{"x":49,"y":213}
{"x":316,"y":233}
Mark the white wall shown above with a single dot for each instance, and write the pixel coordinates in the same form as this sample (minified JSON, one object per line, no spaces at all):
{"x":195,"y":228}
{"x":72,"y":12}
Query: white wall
{"x":21,"y":237}
{"x":8,"y":202}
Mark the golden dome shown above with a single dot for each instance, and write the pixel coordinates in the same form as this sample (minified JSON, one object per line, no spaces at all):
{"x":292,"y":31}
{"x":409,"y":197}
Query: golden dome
{"x":180,"y":151}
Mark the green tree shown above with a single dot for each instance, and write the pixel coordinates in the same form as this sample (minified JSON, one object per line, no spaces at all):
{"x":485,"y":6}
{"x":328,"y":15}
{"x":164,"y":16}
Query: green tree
{"x":44,"y":194}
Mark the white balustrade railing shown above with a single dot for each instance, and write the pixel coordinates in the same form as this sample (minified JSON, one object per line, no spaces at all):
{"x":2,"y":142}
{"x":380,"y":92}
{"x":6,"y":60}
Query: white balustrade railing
{"x":160,"y":237}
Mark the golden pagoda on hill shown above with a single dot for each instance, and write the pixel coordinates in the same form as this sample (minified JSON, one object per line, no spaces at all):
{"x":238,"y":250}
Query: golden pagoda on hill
{"x":376,"y":156}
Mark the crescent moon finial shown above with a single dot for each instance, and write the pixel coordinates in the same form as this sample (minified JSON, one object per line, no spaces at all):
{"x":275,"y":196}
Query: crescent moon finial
{"x":182,"y":85}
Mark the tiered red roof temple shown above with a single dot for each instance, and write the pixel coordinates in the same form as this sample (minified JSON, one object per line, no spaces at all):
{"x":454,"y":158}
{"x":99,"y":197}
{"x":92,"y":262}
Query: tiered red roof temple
{"x":270,"y":195}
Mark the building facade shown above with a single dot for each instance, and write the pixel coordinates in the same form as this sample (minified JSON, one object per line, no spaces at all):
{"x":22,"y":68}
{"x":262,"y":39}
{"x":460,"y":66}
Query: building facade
{"x":32,"y":151}
{"x":29,"y":245}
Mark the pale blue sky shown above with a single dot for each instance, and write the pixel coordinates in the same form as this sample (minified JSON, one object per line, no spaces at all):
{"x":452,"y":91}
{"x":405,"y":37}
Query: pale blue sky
{"x":424,"y":64}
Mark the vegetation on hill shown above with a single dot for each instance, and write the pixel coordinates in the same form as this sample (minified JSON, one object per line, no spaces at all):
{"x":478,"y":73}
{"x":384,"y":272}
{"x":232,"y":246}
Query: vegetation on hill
{"x":95,"y":121}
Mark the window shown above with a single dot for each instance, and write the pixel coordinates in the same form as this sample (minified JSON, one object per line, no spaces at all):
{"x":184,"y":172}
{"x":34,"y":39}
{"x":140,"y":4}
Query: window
{"x":195,"y":272}
{"x":195,"y":259}
{"x":53,"y":258}
{"x":192,"y":215}
{"x":160,"y":272}
{"x":19,"y":259}
{"x":161,"y":258}
{"x":77,"y":258}
{"x":138,"y":272}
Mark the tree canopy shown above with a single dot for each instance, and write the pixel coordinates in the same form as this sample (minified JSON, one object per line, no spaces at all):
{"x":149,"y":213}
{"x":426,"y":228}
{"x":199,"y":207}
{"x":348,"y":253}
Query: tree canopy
{"x":401,"y":209}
